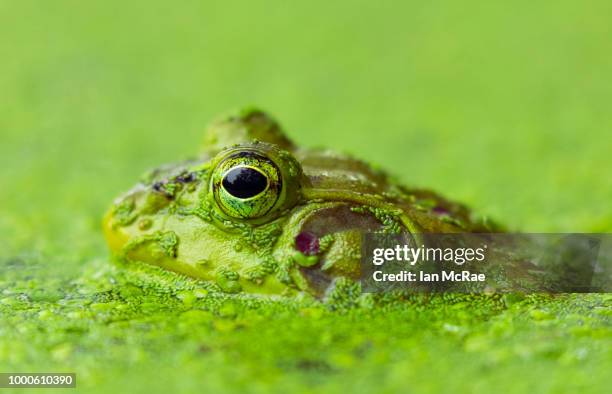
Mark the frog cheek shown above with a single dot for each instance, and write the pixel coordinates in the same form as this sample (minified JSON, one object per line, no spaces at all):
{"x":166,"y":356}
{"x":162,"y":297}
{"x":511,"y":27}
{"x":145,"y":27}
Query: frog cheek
{"x":319,"y":261}
{"x":325,"y":243}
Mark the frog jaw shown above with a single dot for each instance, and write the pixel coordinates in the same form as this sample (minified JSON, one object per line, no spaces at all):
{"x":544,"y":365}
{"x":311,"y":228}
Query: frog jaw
{"x":199,"y":249}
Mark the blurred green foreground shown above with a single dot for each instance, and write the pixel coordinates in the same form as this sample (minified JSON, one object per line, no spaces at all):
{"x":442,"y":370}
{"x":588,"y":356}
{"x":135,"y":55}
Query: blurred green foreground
{"x":505,"y":107}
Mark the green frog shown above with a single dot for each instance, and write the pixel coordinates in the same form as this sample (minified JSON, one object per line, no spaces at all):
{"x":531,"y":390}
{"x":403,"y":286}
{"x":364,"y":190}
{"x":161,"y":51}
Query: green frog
{"x":253,"y":212}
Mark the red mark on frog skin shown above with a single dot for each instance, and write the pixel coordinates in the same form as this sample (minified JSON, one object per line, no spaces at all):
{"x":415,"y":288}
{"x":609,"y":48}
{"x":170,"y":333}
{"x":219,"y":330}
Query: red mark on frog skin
{"x":441,"y":210}
{"x":307,"y":243}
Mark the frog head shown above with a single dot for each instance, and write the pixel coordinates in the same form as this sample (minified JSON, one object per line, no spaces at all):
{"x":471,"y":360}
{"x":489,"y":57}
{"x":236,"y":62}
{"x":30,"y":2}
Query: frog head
{"x":253,"y":212}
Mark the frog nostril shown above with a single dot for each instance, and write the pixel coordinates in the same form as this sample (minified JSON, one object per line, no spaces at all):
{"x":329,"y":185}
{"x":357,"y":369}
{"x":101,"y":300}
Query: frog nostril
{"x":307,"y":243}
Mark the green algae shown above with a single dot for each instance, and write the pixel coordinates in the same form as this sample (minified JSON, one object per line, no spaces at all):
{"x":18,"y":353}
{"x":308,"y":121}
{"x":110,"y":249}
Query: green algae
{"x":162,"y":242}
{"x":124,"y":213}
{"x":389,"y":219}
{"x":115,"y":325}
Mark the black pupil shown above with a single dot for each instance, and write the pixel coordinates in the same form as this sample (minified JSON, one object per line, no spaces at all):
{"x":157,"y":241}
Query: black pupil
{"x":244,"y":182}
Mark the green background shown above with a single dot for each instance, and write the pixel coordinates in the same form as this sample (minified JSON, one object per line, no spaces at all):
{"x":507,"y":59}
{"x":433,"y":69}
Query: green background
{"x":504,"y":106}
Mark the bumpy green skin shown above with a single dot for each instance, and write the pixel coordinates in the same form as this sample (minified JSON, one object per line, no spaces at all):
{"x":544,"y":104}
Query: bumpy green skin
{"x":180,"y":218}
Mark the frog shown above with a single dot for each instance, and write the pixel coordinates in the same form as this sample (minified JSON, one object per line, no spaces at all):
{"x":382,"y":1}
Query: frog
{"x":253,"y":212}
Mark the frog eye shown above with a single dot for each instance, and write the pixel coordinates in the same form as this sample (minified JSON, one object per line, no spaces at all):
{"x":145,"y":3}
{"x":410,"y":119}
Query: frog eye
{"x":244,"y":182}
{"x":246,"y":185}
